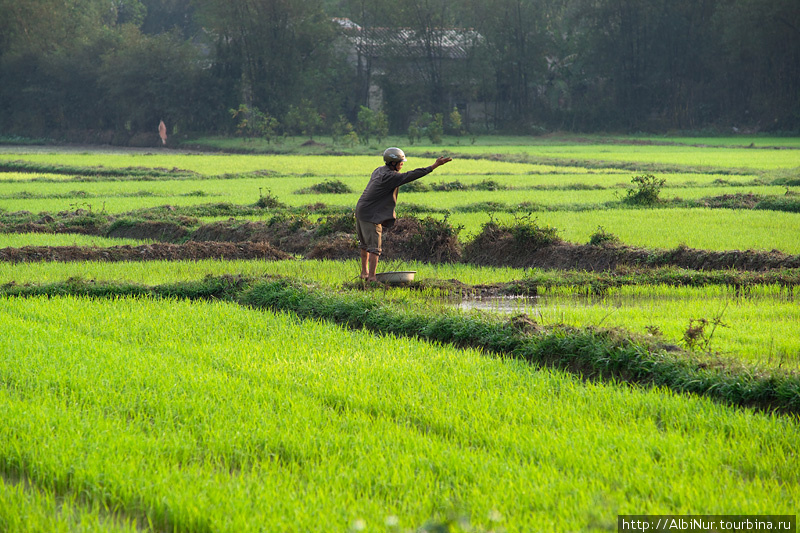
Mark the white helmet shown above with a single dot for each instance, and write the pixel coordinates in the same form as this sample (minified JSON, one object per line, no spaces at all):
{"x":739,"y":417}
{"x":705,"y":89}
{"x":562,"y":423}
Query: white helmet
{"x":393,"y":155}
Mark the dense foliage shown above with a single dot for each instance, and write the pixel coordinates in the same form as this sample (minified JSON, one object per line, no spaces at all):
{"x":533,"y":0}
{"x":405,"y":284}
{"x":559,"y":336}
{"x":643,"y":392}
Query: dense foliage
{"x":107,"y":70}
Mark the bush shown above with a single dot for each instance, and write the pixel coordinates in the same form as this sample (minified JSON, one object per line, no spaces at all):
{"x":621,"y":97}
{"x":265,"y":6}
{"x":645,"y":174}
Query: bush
{"x":448,"y":186}
{"x":343,"y":132}
{"x":647,"y":190}
{"x":415,"y":186}
{"x":527,"y":233}
{"x":601,"y":237}
{"x":327,"y":187}
{"x":268,"y":201}
{"x":437,"y":239}
{"x":489,"y":185}
{"x":431,"y":126}
{"x":337,"y":223}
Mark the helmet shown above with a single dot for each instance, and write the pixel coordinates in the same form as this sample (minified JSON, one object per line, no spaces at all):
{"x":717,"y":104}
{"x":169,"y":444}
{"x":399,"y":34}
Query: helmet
{"x":393,"y":155}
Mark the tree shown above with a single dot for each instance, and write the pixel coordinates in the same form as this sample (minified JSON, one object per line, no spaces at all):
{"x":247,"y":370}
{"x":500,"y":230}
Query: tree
{"x":149,"y":78}
{"x":254,"y":123}
{"x":303,"y":119}
{"x":270,"y":53}
{"x":518,"y":35}
{"x":371,"y":124}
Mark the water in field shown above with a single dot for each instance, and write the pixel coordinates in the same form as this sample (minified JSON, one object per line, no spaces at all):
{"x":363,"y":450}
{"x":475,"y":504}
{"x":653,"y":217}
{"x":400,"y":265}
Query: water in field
{"x":502,"y":304}
{"x":760,"y":325}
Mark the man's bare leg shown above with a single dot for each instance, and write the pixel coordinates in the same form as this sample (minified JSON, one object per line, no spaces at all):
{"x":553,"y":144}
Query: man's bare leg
{"x":364,"y":258}
{"x":373,"y":266}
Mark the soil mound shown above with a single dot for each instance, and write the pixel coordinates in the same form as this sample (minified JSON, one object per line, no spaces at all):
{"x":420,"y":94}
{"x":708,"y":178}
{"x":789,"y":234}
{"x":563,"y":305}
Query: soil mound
{"x":151,"y":229}
{"x":341,"y":246}
{"x":150,"y":252}
{"x":232,"y":231}
{"x":428,"y":240}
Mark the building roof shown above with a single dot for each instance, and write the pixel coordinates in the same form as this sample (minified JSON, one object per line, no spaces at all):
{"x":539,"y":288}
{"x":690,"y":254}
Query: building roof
{"x":450,"y":43}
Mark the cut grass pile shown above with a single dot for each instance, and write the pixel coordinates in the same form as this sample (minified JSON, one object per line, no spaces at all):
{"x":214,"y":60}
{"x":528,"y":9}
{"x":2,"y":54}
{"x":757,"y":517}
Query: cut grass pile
{"x":207,"y":416}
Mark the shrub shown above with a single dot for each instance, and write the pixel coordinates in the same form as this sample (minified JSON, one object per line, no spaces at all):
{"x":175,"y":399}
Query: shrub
{"x":415,"y":186}
{"x":327,"y":187}
{"x":438,"y":239}
{"x":336,"y":223}
{"x":268,"y":201}
{"x":343,"y":132}
{"x":529,"y":234}
{"x":647,"y":190}
{"x":489,"y":185}
{"x":601,"y":237}
{"x":448,"y":186}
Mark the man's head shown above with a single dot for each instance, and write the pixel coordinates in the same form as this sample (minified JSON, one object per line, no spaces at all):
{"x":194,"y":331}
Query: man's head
{"x":394,"y":158}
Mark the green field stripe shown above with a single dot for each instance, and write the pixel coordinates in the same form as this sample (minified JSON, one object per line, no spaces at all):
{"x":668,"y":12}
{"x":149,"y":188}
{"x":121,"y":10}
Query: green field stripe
{"x":590,"y":351}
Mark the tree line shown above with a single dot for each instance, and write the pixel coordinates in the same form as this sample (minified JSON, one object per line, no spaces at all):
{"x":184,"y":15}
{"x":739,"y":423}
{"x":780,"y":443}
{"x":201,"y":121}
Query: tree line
{"x":118,"y":67}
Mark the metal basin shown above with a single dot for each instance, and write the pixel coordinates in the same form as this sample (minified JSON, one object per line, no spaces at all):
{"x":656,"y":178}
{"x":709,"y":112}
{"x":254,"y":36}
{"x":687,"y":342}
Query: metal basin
{"x":393,"y":278}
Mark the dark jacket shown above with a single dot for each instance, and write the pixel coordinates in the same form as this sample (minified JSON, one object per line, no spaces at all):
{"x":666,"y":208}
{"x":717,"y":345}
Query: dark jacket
{"x":379,"y":199}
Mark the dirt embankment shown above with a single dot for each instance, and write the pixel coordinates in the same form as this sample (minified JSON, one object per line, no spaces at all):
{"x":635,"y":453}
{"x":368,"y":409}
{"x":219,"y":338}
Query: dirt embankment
{"x":499,"y":248}
{"x":410,"y":239}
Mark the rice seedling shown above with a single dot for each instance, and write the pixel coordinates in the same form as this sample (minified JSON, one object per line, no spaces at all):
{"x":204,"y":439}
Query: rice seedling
{"x":717,"y":229}
{"x":18,"y":240}
{"x":163,"y":414}
{"x":208,"y":416}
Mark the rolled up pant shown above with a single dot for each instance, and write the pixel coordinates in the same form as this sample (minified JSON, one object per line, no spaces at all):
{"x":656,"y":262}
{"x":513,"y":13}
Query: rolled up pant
{"x":369,"y":236}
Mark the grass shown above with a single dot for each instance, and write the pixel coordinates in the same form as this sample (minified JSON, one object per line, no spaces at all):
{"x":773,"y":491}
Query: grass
{"x":762,"y":325}
{"x":761,"y":329}
{"x":575,"y":200}
{"x":134,"y":413}
{"x":327,"y":273}
{"x":717,"y":229}
{"x":133,"y":410}
{"x":644,"y":157}
{"x":18,"y":240}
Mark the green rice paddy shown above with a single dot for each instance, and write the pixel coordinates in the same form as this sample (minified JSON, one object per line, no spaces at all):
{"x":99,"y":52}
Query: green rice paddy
{"x":230,"y":419}
{"x":140,"y":414}
{"x":18,"y":240}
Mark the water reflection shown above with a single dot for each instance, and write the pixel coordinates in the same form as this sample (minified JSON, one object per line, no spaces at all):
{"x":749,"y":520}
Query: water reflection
{"x":502,"y":304}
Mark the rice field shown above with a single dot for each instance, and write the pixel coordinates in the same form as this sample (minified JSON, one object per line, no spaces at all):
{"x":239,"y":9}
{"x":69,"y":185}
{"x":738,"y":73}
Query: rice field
{"x":761,"y":328}
{"x":718,"y":229}
{"x":18,"y":240}
{"x":140,"y":414}
{"x":304,"y":426}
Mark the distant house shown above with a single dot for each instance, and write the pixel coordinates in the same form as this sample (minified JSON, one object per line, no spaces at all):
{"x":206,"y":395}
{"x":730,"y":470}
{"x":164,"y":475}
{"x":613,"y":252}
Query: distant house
{"x":435,"y":59}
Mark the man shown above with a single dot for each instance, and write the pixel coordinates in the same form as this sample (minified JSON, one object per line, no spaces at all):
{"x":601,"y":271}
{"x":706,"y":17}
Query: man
{"x":375,"y":208}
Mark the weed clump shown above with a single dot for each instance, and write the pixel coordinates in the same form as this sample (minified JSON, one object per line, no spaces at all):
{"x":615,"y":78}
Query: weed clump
{"x":269,"y":201}
{"x":518,"y":243}
{"x":646,"y":191}
{"x":528,"y":233}
{"x":336,"y":223}
{"x":415,"y":186}
{"x":327,"y":187}
{"x":448,"y":186}
{"x":427,"y":239}
{"x":601,"y":237}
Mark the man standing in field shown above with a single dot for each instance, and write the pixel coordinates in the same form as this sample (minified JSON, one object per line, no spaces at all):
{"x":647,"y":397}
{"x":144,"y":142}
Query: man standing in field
{"x":375,"y":208}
